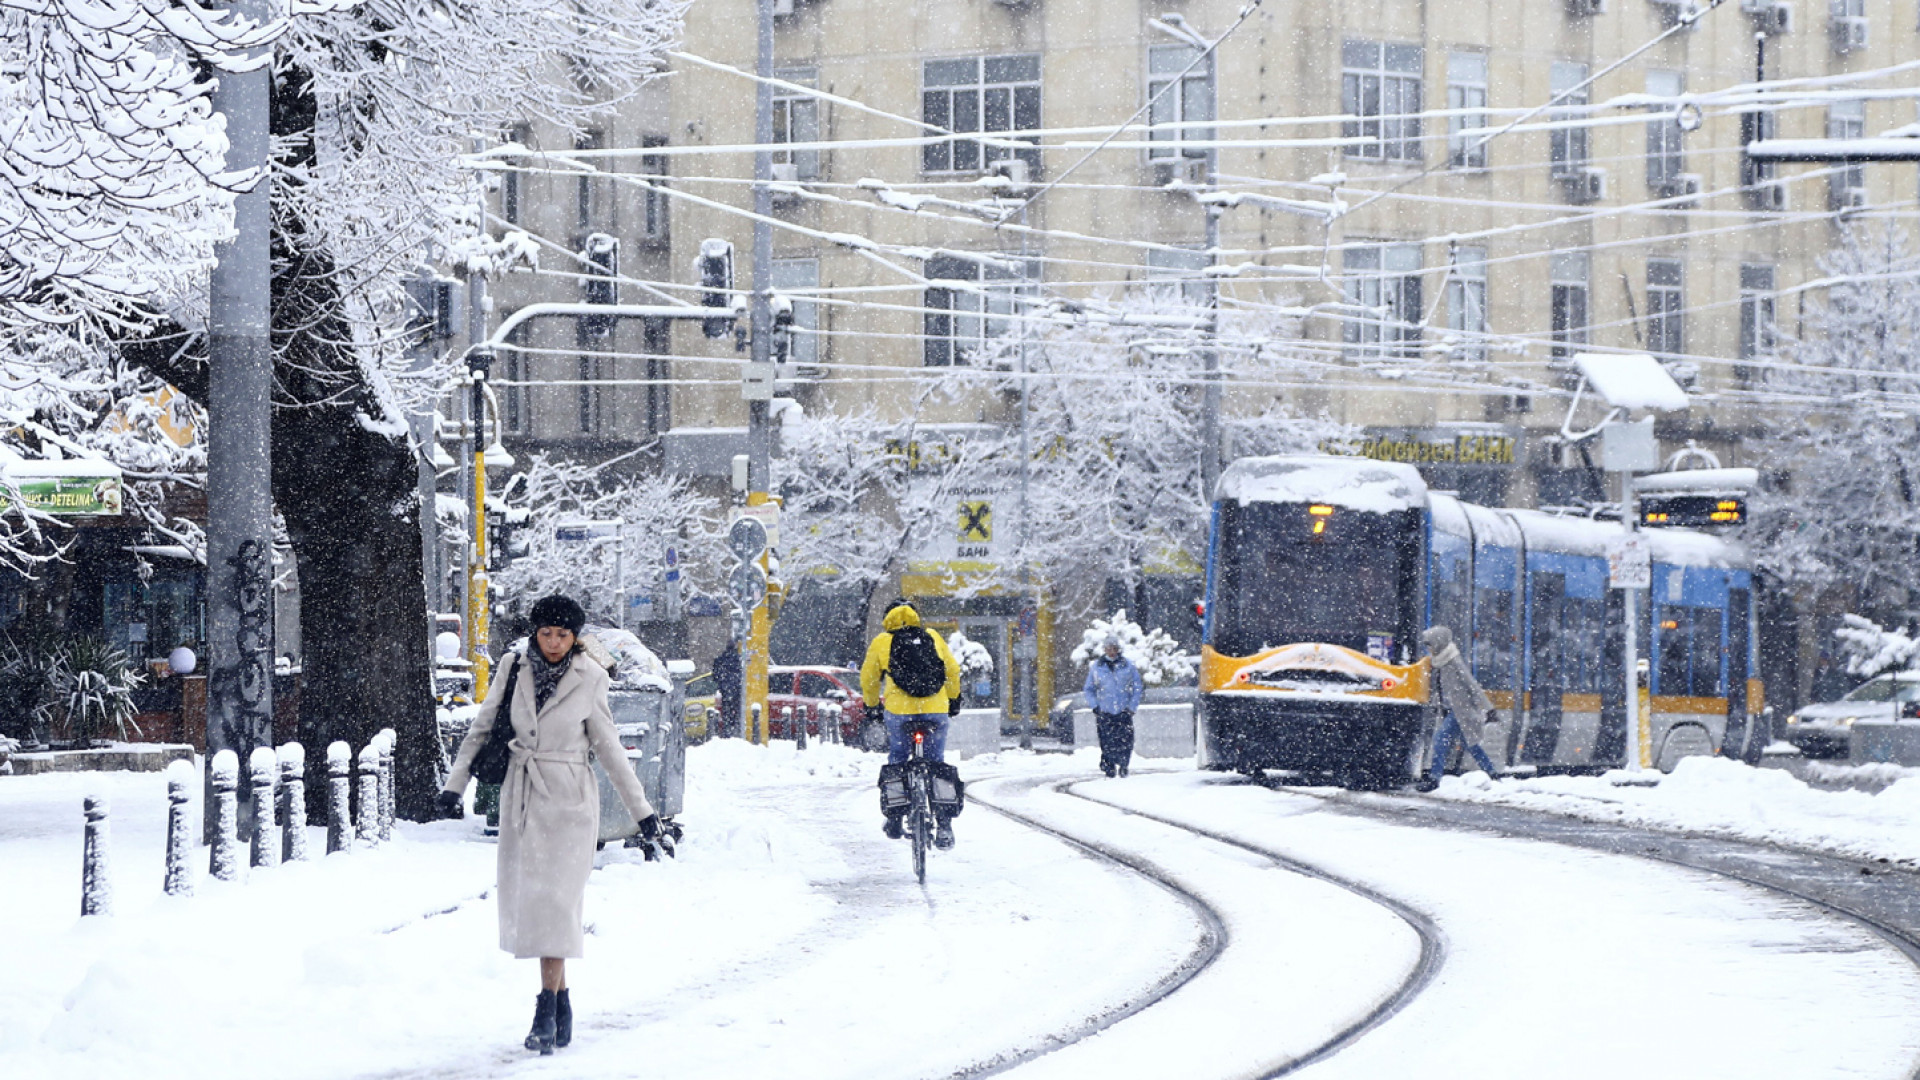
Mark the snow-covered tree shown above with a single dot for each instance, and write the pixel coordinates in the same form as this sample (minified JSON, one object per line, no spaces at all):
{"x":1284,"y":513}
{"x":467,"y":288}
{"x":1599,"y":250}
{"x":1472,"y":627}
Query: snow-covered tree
{"x":656,"y":511}
{"x":974,"y":659}
{"x":1850,"y":517}
{"x":1872,"y":649}
{"x":1160,"y":659}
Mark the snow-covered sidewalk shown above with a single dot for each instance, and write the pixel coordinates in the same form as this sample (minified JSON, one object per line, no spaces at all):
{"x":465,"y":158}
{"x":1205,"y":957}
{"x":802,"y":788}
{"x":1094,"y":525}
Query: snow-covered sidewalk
{"x":1717,"y":797}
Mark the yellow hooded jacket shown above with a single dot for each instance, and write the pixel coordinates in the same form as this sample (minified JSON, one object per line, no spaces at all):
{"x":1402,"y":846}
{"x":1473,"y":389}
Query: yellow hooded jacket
{"x":875,"y":669}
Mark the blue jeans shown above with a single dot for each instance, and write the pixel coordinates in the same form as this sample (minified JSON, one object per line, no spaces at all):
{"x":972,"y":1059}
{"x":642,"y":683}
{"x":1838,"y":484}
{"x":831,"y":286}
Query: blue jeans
{"x":1444,"y":737}
{"x":900,"y":744}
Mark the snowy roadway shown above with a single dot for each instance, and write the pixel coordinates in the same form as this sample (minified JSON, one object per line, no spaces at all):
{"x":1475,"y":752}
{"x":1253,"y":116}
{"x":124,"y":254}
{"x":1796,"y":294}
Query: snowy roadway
{"x":789,"y":940}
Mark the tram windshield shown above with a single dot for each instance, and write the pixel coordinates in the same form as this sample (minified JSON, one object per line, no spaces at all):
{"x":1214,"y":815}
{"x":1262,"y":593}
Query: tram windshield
{"x":1289,"y":572}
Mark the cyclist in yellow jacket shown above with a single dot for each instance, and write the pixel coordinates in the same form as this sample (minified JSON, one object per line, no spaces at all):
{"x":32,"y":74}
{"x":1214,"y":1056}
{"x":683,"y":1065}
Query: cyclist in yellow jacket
{"x":881,"y":687}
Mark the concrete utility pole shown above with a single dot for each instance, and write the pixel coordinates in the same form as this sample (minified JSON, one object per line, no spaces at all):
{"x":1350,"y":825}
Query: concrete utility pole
{"x":1210,"y":365}
{"x":757,"y":385}
{"x":239,"y":434}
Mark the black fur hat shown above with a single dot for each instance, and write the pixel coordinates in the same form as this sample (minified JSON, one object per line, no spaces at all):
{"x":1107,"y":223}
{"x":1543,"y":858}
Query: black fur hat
{"x":557,"y":610}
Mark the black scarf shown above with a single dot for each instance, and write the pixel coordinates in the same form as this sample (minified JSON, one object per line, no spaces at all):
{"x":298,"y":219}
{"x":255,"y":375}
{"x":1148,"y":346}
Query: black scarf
{"x":546,"y":676}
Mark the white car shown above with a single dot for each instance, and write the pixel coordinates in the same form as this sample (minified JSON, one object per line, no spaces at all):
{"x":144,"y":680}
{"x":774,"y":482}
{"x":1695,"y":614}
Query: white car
{"x":1823,"y":730}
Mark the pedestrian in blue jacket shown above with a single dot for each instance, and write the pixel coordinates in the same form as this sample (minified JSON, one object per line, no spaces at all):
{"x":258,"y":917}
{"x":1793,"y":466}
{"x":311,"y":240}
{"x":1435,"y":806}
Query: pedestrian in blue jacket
{"x":1113,"y":692}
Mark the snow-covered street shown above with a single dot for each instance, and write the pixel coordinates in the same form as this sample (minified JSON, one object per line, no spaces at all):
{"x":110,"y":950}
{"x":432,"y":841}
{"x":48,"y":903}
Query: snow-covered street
{"x":789,"y":939}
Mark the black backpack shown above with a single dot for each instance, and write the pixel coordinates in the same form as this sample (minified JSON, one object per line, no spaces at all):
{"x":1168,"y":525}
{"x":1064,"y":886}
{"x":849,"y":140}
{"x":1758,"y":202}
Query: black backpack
{"x":914,"y":664}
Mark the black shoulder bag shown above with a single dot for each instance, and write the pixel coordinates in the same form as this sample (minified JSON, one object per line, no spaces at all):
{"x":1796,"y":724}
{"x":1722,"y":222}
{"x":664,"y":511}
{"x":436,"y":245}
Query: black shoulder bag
{"x":490,"y":764}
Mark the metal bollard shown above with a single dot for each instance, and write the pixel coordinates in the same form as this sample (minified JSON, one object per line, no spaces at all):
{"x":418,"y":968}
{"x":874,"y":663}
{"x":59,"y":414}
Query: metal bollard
{"x":753,"y":722}
{"x":96,"y":888}
{"x":179,"y":879}
{"x":339,"y":797}
{"x":224,"y":864}
{"x":263,"y":771}
{"x":797,"y":723}
{"x":386,"y":738}
{"x":293,"y":801}
{"x":369,"y":818}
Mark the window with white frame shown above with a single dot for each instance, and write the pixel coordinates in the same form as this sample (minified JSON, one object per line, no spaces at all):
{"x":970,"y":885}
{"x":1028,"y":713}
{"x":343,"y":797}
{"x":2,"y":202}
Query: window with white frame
{"x":979,"y":93}
{"x":1847,"y":183}
{"x":1383,"y":290}
{"x":1666,"y":158}
{"x":1380,"y":90}
{"x":1467,"y":300}
{"x":1567,"y":142}
{"x":513,"y":182}
{"x":1182,"y":271}
{"x":1466,"y":104}
{"x":1756,"y":316}
{"x":653,"y":207}
{"x":976,"y":308}
{"x":1567,"y":317}
{"x":515,"y":365}
{"x":1179,"y":101}
{"x":1666,"y":308}
{"x":796,"y":119}
{"x":800,"y":278}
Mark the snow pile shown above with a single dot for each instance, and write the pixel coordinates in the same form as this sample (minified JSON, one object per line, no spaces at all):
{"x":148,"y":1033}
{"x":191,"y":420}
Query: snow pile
{"x":1719,"y":797}
{"x":1872,"y":649}
{"x":1160,"y":659}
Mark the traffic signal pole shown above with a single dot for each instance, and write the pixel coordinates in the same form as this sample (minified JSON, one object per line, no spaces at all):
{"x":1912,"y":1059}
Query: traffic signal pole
{"x":757,"y":385}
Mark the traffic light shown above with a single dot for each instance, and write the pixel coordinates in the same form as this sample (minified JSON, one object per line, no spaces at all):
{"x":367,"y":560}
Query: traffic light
{"x":715,"y":266}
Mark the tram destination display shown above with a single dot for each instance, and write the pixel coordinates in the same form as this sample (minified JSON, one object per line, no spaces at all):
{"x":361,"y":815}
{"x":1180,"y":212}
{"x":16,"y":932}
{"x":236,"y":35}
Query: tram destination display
{"x":1693,"y":511}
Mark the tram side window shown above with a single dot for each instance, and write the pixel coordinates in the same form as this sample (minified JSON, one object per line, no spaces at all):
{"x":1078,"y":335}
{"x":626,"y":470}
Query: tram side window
{"x":1676,"y":631}
{"x":1706,"y":653}
{"x":1586,"y":645}
{"x":1493,"y":639}
{"x":1452,"y":595}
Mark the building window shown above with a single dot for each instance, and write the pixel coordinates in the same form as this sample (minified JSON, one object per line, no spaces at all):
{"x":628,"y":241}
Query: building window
{"x":587,"y":186}
{"x":992,"y":93}
{"x":1568,"y":273}
{"x":1567,"y":151}
{"x":1380,"y":87}
{"x":1467,"y":301}
{"x":1179,"y":100}
{"x":796,"y":119}
{"x":801,"y":277}
{"x":1467,"y":102}
{"x":1847,"y":182}
{"x":1755,"y":126}
{"x":657,"y":339}
{"x":1181,"y":272}
{"x":600,"y":282}
{"x":513,"y":182}
{"x":515,"y":366}
{"x":1666,"y":305}
{"x":1756,"y":318}
{"x":1665,"y":159}
{"x":653,"y":209}
{"x":591,"y":398}
{"x":959,"y":321}
{"x":1383,"y":284}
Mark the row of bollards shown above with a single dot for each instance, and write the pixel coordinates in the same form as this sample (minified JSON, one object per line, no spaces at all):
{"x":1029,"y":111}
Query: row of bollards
{"x":278,"y":786}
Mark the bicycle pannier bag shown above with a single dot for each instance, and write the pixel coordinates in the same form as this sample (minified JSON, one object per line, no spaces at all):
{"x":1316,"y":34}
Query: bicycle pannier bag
{"x":914,"y":664}
{"x":893,"y":789}
{"x":949,"y":791}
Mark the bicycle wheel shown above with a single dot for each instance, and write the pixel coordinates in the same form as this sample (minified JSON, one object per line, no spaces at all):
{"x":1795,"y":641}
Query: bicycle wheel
{"x":918,"y":821}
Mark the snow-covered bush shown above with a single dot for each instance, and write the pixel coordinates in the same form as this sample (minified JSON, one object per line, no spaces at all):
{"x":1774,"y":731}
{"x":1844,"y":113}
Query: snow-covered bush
{"x":1872,"y":649}
{"x":1160,"y":659}
{"x":974,"y":659}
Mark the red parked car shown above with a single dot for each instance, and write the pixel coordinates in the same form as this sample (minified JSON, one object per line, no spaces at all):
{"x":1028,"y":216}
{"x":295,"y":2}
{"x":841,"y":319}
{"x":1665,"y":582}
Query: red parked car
{"x":809,"y":691}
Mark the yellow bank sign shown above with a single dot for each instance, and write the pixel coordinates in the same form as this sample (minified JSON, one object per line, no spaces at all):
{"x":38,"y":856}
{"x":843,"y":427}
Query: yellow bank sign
{"x":1481,"y":448}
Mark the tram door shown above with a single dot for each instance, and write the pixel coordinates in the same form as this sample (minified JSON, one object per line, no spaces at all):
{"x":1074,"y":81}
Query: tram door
{"x":1735,"y":745}
{"x":1610,"y":742}
{"x":1547,"y":682}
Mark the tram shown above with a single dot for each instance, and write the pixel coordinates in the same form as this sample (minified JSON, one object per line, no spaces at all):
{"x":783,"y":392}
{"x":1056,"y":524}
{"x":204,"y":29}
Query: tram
{"x":1323,"y":571}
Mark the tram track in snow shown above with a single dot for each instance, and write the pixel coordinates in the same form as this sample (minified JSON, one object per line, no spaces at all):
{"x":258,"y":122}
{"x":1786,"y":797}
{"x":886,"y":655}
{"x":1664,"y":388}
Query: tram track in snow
{"x":1432,"y":942}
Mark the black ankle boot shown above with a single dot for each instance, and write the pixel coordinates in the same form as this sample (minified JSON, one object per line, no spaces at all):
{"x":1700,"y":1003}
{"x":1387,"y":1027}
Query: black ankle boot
{"x":562,"y":1019}
{"x":541,"y":1037}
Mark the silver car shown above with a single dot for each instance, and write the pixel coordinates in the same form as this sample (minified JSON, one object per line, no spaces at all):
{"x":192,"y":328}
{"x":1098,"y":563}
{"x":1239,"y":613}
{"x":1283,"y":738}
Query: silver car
{"x":1823,"y":730}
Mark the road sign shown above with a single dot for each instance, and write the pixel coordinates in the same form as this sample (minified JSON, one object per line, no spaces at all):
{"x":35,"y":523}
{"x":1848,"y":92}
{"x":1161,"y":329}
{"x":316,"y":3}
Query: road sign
{"x":746,"y":538}
{"x":748,"y":584}
{"x":767,"y":514}
{"x":575,"y":532}
{"x":1630,"y":562}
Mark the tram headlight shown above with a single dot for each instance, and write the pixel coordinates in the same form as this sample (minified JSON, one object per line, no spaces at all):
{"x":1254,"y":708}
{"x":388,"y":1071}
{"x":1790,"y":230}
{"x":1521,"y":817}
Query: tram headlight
{"x":1319,"y":513}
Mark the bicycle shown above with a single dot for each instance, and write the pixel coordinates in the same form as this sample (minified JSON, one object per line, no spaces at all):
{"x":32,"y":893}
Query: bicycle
{"x":919,"y":817}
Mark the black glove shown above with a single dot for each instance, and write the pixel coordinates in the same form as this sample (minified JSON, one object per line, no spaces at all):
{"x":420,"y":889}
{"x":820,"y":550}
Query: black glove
{"x":1493,"y":716}
{"x":650,"y":827}
{"x":953,"y":707}
{"x":448,"y":802}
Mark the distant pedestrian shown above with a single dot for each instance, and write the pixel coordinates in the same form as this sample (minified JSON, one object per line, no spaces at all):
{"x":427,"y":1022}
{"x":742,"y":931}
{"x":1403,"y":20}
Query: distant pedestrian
{"x":1113,"y":691}
{"x":1465,"y":708}
{"x":550,"y":801}
{"x":728,"y":680}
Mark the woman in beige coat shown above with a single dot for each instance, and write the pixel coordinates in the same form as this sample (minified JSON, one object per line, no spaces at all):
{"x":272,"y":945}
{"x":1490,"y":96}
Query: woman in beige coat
{"x":550,"y":801}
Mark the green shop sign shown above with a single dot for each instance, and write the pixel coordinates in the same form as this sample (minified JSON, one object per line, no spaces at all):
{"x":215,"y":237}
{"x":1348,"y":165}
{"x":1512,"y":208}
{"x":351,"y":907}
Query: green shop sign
{"x":69,"y":494}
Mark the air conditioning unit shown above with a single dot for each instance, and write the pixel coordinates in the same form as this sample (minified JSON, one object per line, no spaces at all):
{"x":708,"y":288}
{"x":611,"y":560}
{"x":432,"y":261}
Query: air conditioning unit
{"x":1772,"y":19}
{"x":1847,"y":200}
{"x":1583,"y":8}
{"x":1587,"y":185}
{"x":1770,"y":197}
{"x":1190,"y":171}
{"x":1849,"y":33}
{"x":1678,"y":186}
{"x":786,"y":172}
{"x":1016,"y":171}
{"x":782,"y":8}
{"x":1678,"y":12}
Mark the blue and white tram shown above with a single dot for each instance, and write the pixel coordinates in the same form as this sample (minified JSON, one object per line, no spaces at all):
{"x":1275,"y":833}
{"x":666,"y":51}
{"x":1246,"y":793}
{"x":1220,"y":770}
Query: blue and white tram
{"x":1322,"y":571}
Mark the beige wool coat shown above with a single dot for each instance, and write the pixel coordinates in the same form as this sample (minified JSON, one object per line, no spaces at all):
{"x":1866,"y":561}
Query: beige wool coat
{"x":550,"y":802}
